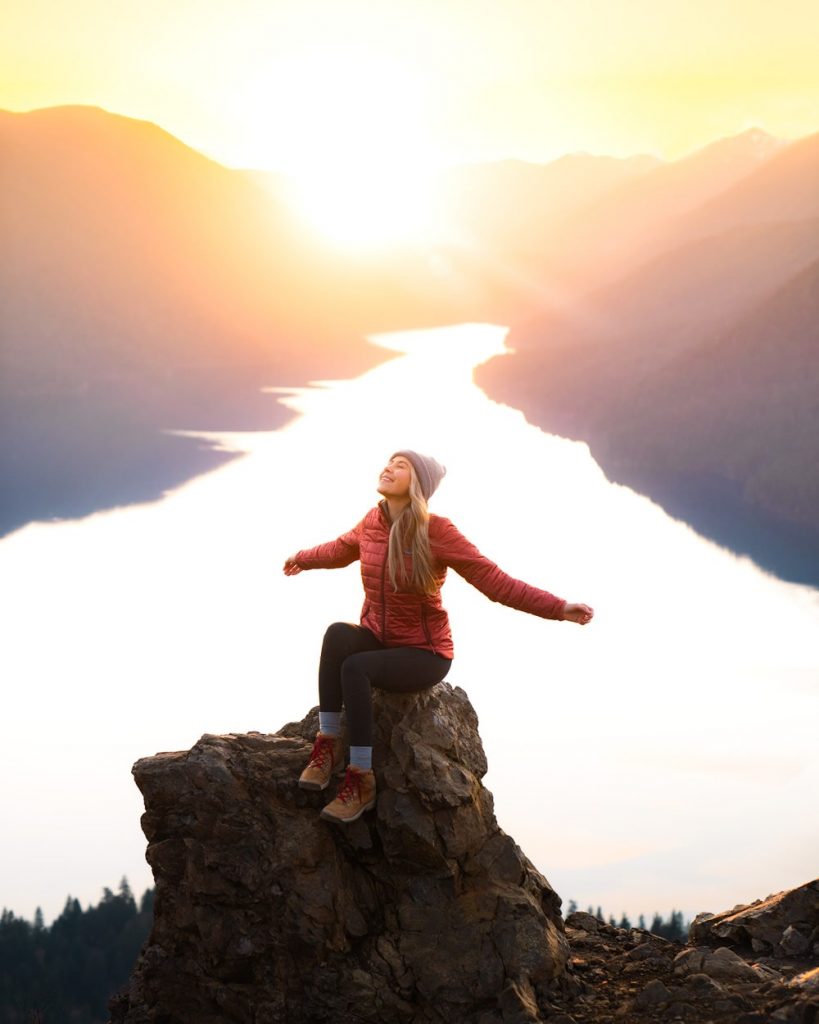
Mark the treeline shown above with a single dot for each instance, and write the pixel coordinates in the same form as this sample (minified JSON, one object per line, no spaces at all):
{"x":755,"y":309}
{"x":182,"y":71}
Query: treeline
{"x":66,"y":973}
{"x":674,"y":928}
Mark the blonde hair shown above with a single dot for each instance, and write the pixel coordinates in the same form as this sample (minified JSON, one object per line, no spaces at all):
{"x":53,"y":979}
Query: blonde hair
{"x":410,"y":532}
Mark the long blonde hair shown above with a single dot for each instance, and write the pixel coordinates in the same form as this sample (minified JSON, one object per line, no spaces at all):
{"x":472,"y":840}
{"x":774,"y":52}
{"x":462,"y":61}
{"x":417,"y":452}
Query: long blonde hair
{"x":410,"y":532}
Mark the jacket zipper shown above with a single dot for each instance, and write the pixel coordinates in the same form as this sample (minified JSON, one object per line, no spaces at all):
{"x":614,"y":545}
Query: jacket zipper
{"x":386,"y":518}
{"x":426,"y":628}
{"x":384,"y":600}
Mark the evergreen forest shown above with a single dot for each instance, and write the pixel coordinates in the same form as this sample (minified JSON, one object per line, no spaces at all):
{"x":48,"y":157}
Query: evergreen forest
{"x":67,"y":972}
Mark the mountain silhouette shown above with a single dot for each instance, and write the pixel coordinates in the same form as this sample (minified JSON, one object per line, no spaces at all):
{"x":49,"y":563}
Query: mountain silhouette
{"x":783,"y":188}
{"x":140,"y":252}
{"x":627,"y":225}
{"x":616,"y":365}
{"x":578,"y":365}
{"x":739,"y":413}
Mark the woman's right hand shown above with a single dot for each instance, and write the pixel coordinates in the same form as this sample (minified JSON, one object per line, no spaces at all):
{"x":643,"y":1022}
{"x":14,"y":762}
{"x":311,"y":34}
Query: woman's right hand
{"x":291,"y":566}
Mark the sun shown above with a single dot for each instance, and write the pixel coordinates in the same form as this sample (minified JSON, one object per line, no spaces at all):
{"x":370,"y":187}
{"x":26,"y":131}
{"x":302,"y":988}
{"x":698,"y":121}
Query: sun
{"x":354,"y":145}
{"x":367,"y":205}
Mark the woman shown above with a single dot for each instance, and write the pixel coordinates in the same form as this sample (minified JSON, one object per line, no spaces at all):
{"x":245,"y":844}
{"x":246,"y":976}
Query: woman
{"x":403,"y":643}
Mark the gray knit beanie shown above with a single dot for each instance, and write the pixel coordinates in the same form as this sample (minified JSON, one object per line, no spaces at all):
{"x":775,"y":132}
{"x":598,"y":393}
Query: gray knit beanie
{"x":429,"y":471}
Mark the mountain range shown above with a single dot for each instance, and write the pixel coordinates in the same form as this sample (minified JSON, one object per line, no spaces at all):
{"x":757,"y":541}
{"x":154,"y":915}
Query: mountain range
{"x":694,"y":376}
{"x":664,"y":312}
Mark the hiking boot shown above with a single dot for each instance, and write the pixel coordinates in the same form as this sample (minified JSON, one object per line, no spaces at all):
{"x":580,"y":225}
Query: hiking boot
{"x":326,"y":760}
{"x":356,"y":794}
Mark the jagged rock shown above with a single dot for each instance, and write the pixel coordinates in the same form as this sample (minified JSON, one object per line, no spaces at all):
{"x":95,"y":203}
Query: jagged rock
{"x":422,"y":910}
{"x":722,"y":963}
{"x":807,"y":980}
{"x":762,"y":925}
{"x":703,"y":986}
{"x":793,"y":942}
{"x":582,"y":921}
{"x":654,"y":993}
{"x":698,"y":987}
{"x":647,"y":950}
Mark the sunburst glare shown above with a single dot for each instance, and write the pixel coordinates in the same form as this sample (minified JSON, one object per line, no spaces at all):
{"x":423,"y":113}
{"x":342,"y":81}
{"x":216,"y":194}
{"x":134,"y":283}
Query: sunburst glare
{"x":364,"y":205}
{"x":359,"y":160}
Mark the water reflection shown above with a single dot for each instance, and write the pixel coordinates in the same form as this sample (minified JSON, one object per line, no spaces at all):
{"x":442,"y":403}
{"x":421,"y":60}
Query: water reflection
{"x":663,"y":755}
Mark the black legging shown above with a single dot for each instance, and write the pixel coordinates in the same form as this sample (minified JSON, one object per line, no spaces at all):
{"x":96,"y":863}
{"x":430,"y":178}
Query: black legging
{"x":353,"y":660}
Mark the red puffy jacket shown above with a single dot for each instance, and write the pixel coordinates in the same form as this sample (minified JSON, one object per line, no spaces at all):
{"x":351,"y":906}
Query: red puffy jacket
{"x":405,"y":618}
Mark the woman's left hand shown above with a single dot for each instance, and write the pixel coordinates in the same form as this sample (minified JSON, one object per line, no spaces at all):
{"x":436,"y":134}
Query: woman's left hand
{"x":579,"y":613}
{"x":291,"y":566}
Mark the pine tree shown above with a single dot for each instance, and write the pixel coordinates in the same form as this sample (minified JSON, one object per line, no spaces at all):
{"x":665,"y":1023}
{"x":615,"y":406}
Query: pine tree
{"x":624,"y":921}
{"x":125,"y":891}
{"x":676,"y":927}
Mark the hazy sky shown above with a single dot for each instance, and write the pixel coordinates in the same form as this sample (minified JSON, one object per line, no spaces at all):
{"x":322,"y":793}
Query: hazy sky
{"x":286,"y":84}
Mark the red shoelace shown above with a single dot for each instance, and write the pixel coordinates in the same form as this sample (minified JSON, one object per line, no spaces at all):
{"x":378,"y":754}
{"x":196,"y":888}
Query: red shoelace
{"x":350,"y":787}
{"x":322,"y":750}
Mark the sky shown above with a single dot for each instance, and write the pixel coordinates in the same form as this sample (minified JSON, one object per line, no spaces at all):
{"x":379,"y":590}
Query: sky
{"x":287,"y":86}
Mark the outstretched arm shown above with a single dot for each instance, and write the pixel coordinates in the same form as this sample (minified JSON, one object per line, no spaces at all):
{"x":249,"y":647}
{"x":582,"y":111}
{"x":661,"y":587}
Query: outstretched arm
{"x":461,"y":554}
{"x":334,"y":554}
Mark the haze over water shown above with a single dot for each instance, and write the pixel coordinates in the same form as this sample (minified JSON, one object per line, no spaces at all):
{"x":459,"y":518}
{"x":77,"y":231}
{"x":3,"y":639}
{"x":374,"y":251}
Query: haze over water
{"x":663,"y":755}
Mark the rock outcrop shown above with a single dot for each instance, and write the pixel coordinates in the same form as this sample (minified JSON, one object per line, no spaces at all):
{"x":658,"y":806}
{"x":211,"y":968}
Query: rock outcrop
{"x":785,"y":924}
{"x":635,"y":977}
{"x":423,"y":910}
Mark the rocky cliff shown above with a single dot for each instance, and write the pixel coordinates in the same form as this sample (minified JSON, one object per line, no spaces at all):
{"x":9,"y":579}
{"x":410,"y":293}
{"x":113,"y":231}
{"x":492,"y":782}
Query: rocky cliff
{"x":423,"y":910}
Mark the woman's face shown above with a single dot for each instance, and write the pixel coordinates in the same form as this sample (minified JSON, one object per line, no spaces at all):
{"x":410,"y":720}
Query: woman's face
{"x":394,"y":481}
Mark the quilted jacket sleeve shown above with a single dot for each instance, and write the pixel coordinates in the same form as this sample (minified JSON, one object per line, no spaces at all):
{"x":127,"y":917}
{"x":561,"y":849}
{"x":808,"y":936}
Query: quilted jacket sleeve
{"x":334,"y":554}
{"x":455,"y":551}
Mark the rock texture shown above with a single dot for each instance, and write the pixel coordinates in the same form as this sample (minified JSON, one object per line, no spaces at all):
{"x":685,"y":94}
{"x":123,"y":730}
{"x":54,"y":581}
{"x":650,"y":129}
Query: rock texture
{"x":421,"y":911}
{"x":629,"y":976}
{"x":785,"y":924}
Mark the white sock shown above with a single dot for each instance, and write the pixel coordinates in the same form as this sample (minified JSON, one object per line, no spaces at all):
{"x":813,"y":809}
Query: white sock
{"x":361,"y":757}
{"x":330,"y":723}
